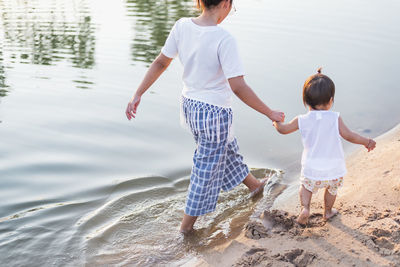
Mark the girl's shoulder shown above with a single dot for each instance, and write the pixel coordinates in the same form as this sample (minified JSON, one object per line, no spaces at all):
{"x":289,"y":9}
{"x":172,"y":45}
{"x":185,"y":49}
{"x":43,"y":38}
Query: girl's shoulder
{"x":304,"y":115}
{"x":319,"y":114}
{"x":322,"y":112}
{"x":332,"y":114}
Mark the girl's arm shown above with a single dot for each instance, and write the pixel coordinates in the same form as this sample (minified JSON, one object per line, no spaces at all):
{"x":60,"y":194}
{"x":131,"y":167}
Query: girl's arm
{"x":247,"y":95}
{"x":287,"y":128}
{"x":159,"y":65}
{"x":355,"y":138}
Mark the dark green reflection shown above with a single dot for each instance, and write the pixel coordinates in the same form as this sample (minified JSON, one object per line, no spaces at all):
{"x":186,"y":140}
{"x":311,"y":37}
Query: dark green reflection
{"x":3,"y":86}
{"x":154,"y":20}
{"x":48,"y":34}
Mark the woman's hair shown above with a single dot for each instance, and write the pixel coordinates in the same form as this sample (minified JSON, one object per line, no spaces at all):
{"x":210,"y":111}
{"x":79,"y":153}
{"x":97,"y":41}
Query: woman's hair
{"x":207,"y":4}
{"x":318,"y":90}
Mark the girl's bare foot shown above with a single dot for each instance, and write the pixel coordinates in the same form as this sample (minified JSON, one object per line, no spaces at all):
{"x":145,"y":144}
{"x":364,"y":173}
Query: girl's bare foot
{"x":330,"y":214}
{"x":303,"y":217}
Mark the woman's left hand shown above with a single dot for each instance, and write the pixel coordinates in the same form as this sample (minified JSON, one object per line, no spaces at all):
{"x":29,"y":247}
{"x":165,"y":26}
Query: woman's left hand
{"x":132,"y":107}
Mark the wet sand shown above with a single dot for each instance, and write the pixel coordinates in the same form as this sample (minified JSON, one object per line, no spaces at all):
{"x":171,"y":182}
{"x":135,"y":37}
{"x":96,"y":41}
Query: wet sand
{"x":366,"y":232}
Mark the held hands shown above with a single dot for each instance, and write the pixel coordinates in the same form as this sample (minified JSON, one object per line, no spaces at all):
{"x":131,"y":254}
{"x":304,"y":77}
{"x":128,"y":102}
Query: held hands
{"x":286,"y":128}
{"x":278,"y":126}
{"x":132,"y":107}
{"x":276,"y":116}
{"x":370,"y":145}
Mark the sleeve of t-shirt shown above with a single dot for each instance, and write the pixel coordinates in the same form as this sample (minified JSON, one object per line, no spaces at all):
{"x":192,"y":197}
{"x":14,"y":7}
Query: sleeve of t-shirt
{"x":229,"y":58}
{"x":170,"y":48}
{"x":300,"y":123}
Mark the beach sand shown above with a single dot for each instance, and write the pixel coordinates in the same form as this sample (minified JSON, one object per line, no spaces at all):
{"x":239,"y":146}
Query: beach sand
{"x":366,"y":232}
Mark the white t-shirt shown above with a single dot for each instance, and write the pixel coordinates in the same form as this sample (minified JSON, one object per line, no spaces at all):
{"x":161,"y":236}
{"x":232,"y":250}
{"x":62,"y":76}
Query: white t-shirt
{"x":323,"y":157}
{"x":209,"y":56}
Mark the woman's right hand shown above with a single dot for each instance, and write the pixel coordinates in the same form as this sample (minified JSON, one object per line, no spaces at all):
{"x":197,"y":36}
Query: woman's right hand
{"x":277,"y":116}
{"x":132,"y":107}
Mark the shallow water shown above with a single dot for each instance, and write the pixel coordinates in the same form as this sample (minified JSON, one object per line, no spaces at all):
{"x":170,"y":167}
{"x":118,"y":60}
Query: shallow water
{"x":79,"y":184}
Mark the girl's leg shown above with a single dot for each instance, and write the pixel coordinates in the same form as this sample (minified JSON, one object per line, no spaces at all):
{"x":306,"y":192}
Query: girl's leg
{"x":329,"y":200}
{"x":305,"y":200}
{"x":187,"y":223}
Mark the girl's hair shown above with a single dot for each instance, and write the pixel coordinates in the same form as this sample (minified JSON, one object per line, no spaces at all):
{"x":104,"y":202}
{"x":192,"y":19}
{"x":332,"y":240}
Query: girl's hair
{"x":207,"y":4}
{"x":318,"y":90}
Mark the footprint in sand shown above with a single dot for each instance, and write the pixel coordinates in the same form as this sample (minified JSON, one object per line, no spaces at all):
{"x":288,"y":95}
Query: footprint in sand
{"x":385,"y":241}
{"x":280,"y":222}
{"x":255,"y":230}
{"x":298,"y":257}
{"x":257,"y":256}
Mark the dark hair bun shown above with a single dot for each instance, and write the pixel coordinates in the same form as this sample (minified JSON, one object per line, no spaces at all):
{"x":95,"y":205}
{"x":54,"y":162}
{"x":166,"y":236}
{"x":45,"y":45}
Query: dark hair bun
{"x":208,"y":3}
{"x":318,"y":89}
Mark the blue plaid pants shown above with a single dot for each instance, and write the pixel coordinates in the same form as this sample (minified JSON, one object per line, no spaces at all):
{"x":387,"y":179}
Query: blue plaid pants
{"x":216,"y":162}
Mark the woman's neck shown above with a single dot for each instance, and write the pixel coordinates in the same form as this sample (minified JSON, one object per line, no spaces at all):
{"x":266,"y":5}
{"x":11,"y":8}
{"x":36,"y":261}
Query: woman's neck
{"x":209,"y":17}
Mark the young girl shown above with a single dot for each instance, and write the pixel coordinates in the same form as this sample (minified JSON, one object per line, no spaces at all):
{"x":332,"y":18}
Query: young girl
{"x":212,"y":70}
{"x":323,"y":164}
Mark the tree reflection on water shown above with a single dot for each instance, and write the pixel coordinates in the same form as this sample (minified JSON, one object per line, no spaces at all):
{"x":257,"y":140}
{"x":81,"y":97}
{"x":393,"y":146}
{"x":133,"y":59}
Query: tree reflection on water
{"x":153,"y":21}
{"x":62,"y":33}
{"x":49,"y":33}
{"x":46,"y":33}
{"x":3,"y":86}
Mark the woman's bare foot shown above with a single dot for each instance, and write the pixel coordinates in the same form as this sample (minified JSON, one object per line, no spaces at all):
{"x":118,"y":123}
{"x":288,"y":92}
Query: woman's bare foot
{"x":260,"y":188}
{"x":303,"y":217}
{"x":187,"y":224}
{"x":330,"y":214}
{"x":186,"y":231}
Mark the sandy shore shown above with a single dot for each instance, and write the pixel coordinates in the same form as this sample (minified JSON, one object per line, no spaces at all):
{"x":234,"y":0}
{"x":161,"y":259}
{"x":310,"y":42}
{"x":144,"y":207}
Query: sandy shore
{"x":366,"y":232}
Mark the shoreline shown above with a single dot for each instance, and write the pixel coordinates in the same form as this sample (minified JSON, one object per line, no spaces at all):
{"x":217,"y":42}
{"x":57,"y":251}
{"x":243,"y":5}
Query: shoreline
{"x":366,"y":232}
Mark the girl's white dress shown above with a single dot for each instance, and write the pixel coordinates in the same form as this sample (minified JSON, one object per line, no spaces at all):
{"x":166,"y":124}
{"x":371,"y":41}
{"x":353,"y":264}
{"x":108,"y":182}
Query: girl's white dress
{"x":323,"y":157}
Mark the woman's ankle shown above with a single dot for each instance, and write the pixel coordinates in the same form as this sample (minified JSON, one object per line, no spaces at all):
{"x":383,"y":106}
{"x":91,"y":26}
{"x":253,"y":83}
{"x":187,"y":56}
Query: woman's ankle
{"x":251,"y":182}
{"x":186,"y":230}
{"x":187,"y":224}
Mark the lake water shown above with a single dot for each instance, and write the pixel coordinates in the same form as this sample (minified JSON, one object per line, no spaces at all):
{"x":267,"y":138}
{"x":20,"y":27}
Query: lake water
{"x":82,"y":185}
